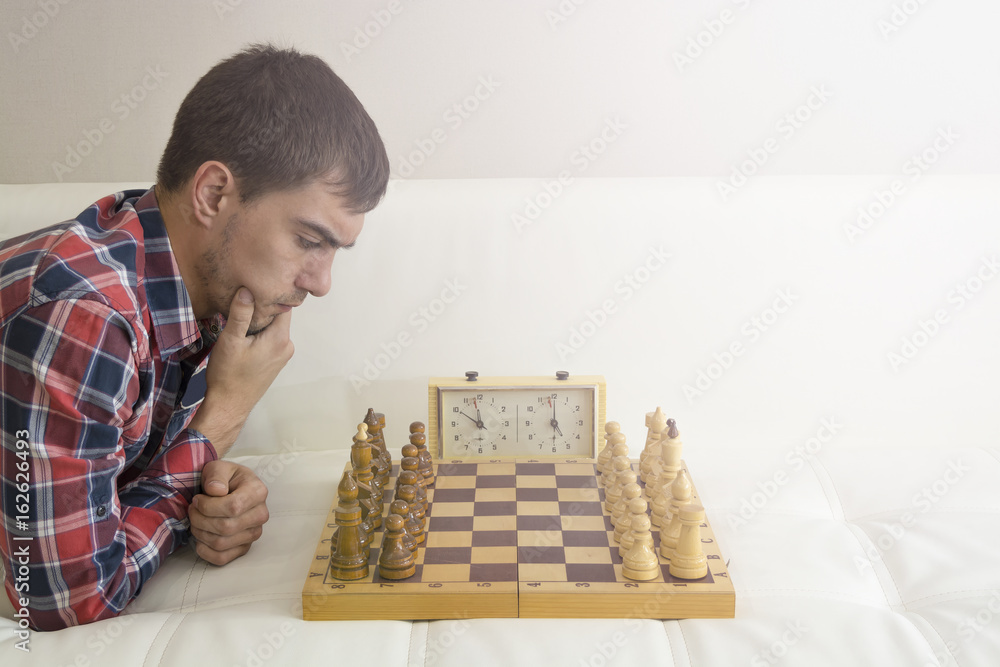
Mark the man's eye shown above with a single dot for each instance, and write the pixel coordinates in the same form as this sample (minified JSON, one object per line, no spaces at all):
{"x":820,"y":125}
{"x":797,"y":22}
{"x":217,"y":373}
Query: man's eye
{"x":307,"y":244}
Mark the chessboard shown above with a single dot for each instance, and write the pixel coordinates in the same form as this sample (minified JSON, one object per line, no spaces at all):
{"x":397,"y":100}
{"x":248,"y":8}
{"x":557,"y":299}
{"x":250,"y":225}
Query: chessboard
{"x":521,"y":538}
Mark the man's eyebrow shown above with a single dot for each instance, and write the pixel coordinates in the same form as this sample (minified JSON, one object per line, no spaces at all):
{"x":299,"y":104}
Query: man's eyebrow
{"x":324,"y":233}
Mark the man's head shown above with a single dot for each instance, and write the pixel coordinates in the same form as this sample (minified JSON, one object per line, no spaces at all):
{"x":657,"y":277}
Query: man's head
{"x":273,"y":163}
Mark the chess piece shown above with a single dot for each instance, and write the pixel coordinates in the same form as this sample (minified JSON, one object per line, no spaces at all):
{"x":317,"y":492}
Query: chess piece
{"x":670,"y":464}
{"x":348,"y":560}
{"x":613,"y":493}
{"x":395,"y":561}
{"x":636,"y":507}
{"x":369,"y":494}
{"x":657,"y":425}
{"x":640,"y":562}
{"x":414,"y":479}
{"x":424,"y":458}
{"x":688,"y":560}
{"x":408,"y":494}
{"x":380,"y":453}
{"x":604,"y":458}
{"x":618,"y":448}
{"x":621,"y":506}
{"x":400,"y":507}
{"x":624,"y":518}
{"x":670,"y":529}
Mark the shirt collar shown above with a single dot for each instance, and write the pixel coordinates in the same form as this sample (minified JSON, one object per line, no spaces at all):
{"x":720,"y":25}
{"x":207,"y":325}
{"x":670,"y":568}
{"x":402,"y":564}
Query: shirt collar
{"x":177,"y":329}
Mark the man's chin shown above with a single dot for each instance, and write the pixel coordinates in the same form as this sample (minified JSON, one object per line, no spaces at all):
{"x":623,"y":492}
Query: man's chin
{"x":256,"y":327}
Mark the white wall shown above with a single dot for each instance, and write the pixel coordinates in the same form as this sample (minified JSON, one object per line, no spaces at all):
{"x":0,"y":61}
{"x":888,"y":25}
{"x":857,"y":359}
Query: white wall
{"x":787,"y":228}
{"x":558,"y":80}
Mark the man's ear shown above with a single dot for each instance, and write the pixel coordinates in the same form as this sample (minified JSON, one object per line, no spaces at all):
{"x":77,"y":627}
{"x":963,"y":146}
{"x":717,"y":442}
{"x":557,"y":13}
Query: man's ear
{"x":213,"y":194}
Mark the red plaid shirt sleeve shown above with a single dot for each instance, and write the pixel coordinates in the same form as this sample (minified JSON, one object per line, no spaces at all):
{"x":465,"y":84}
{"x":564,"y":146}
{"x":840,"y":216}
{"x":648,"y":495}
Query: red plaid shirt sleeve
{"x":101,"y":369}
{"x":92,"y":545}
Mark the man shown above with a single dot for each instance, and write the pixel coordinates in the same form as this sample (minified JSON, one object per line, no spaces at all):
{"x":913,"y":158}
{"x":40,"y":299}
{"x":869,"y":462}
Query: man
{"x":113,"y":415}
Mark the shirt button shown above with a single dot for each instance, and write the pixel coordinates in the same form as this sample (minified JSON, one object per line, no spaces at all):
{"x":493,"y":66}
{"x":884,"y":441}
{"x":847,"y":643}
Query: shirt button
{"x":215,"y":328}
{"x":102,"y":510}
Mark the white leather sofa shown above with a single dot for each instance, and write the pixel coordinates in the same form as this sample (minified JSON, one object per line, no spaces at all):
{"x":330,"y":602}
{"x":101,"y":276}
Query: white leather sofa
{"x":856,"y":499}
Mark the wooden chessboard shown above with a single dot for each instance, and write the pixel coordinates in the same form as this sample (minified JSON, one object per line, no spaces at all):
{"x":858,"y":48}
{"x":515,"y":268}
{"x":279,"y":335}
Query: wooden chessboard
{"x":517,"y":538}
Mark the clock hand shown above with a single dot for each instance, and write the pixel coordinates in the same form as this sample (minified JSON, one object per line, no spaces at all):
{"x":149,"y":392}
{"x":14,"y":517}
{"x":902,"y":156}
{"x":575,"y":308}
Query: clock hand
{"x":553,"y":423}
{"x":474,"y":421}
{"x":479,"y":417}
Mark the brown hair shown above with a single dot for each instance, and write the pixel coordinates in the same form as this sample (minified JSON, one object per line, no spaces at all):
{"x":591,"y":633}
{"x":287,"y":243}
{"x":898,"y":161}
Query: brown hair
{"x":277,"y":119}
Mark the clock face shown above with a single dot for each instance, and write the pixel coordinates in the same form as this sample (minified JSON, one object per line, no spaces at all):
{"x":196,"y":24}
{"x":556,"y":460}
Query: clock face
{"x":528,"y":422}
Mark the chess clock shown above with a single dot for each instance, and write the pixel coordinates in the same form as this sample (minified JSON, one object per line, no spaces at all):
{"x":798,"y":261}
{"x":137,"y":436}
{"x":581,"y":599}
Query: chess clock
{"x":474,"y":417}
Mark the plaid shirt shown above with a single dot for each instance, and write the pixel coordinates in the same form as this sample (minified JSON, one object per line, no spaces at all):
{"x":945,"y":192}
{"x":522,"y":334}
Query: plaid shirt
{"x":101,"y":370}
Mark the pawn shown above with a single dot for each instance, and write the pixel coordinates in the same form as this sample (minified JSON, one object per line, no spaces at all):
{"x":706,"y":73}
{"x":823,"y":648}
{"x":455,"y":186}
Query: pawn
{"x":402,"y":509}
{"x":624,"y":519}
{"x":408,"y":494}
{"x":348,"y":560}
{"x":411,"y":461}
{"x":618,"y":448}
{"x":621,"y":506}
{"x":610,"y":428}
{"x":413,"y":478}
{"x":636,"y":509}
{"x":670,"y":529}
{"x":688,"y":560}
{"x":640,"y":563}
{"x":395,"y":561}
{"x":424,"y":458}
{"x":613,"y":492}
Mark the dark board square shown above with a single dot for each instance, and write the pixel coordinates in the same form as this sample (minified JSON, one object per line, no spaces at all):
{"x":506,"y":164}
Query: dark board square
{"x":495,"y":482}
{"x":607,"y":523}
{"x":535,"y":468}
{"x":580,"y":508}
{"x":616,"y":558}
{"x":450,"y":523}
{"x":447,"y":555}
{"x":537,"y":495}
{"x":480,"y":572}
{"x":590,"y":572}
{"x":539,"y":523}
{"x":495,"y":508}
{"x":584,"y":538}
{"x":456,"y":469}
{"x":494,"y":538}
{"x":576,"y":482}
{"x":454,"y":495}
{"x":707,"y":579}
{"x":541,"y":555}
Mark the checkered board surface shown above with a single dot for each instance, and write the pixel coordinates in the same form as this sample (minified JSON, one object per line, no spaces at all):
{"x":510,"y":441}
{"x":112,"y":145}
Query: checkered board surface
{"x":518,"y":538}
